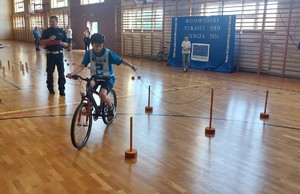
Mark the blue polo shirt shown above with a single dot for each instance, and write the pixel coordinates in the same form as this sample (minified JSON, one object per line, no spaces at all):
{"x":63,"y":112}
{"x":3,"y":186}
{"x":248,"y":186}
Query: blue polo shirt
{"x":60,"y":35}
{"x":113,"y":58}
{"x":36,"y":33}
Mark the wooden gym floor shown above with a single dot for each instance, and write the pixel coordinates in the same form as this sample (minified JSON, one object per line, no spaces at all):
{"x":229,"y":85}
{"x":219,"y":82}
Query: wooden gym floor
{"x":246,"y":155}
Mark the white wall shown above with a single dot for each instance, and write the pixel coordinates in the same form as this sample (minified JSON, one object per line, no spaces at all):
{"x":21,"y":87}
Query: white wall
{"x":6,"y":21}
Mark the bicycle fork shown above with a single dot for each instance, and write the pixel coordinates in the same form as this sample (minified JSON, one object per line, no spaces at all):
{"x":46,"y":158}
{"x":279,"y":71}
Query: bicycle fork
{"x":87,"y":113}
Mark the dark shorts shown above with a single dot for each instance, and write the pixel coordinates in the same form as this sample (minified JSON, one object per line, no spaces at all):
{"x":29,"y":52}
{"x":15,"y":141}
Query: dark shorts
{"x":105,"y":85}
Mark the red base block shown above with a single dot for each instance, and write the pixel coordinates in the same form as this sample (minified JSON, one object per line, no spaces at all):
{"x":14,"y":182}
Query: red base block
{"x":264,"y":115}
{"x":148,"y":109}
{"x":210,"y":130}
{"x":130,"y":154}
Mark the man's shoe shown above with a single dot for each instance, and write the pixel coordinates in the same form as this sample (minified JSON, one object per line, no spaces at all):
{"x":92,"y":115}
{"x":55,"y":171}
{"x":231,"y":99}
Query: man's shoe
{"x":62,"y":93}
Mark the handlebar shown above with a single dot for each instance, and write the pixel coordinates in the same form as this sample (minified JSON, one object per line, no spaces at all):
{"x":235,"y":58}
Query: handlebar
{"x":75,"y":77}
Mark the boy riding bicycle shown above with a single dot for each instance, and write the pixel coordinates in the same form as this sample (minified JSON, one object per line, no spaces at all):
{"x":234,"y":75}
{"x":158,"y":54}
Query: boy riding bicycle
{"x":101,"y":60}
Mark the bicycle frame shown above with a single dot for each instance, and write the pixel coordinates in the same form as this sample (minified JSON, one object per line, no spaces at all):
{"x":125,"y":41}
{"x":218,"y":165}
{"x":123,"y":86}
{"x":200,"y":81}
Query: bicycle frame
{"x":88,"y":95}
{"x":85,"y":114}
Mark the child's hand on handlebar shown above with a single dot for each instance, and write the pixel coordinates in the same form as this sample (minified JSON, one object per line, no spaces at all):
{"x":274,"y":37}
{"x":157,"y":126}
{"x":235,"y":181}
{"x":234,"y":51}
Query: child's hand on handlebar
{"x":69,"y":75}
{"x":134,"y":68}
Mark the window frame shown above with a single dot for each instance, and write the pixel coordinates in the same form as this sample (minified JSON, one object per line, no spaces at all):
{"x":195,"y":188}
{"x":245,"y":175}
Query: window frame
{"x":87,"y":2}
{"x":17,"y":6}
{"x":55,"y":4}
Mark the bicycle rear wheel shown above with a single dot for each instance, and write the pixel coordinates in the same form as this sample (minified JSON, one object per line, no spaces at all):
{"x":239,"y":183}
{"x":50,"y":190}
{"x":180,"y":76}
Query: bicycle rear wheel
{"x":81,"y":125}
{"x":106,"y":117}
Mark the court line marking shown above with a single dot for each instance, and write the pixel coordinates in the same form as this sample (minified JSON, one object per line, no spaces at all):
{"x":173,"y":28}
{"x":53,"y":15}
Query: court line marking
{"x":36,"y":108}
{"x":10,"y":83}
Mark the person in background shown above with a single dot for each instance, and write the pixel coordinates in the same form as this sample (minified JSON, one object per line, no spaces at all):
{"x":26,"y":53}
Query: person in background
{"x":86,"y":39}
{"x":68,"y":31}
{"x":186,"y":52}
{"x":55,"y":39}
{"x":37,"y":36}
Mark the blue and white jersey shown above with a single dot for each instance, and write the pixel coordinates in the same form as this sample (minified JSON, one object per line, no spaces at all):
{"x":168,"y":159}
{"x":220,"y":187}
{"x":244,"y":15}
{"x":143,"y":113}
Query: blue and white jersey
{"x":102,"y":63}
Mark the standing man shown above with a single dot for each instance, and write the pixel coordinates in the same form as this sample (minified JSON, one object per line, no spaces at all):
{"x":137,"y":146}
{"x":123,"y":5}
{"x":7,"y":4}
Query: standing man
{"x":54,"y":39}
{"x":186,"y":52}
{"x":86,"y":39}
{"x":68,"y":31}
{"x":37,"y":37}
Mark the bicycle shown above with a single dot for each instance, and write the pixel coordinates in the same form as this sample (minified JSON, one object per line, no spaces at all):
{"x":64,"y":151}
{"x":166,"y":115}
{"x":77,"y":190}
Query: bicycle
{"x":81,"y":125}
{"x":162,"y":55}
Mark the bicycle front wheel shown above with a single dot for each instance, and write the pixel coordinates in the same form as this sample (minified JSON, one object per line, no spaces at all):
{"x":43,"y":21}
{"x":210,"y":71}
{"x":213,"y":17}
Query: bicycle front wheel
{"x":81,"y":125}
{"x":106,"y":117}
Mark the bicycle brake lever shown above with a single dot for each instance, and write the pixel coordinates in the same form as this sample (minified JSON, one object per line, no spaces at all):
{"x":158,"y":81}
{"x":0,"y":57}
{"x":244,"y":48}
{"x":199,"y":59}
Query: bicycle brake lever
{"x":75,"y":77}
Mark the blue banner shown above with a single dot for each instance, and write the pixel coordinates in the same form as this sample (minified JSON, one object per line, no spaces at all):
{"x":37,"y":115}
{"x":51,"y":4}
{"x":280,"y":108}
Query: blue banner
{"x":212,"y":39}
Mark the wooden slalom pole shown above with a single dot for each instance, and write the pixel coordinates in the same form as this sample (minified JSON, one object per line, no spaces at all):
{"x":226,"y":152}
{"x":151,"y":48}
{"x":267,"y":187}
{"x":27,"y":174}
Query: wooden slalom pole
{"x":210,"y":130}
{"x":264,"y":114}
{"x":130,"y":153}
{"x":149,"y":109}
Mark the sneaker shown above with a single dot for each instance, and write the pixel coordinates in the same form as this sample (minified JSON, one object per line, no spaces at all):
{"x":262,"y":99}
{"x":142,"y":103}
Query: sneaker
{"x":184,"y":69}
{"x":111,"y":110}
{"x":111,"y":113}
{"x":51,"y":91}
{"x":62,"y":93}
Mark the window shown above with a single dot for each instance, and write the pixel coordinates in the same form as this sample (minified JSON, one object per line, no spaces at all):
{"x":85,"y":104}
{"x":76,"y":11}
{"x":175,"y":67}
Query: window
{"x":211,"y":9}
{"x":94,"y":28}
{"x":38,"y":4}
{"x":19,"y":22}
{"x":19,"y":6}
{"x":59,"y":3}
{"x":86,"y":2}
{"x":145,"y":19}
{"x":249,"y":14}
{"x":63,"y":20}
{"x":271,"y":13}
{"x":36,"y":20}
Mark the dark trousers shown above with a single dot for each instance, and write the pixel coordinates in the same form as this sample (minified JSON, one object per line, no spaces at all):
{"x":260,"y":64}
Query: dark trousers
{"x":58,"y":60}
{"x":37,"y":43}
{"x":86,"y":44}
